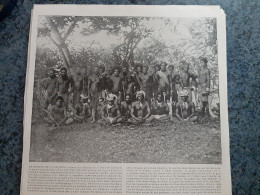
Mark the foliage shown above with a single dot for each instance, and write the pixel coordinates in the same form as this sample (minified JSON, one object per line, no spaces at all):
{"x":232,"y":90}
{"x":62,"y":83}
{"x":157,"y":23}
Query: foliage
{"x":127,"y":39}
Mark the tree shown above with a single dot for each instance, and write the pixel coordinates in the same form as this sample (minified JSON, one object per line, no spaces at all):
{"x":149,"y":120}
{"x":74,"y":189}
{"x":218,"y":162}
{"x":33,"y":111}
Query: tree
{"x":53,"y":29}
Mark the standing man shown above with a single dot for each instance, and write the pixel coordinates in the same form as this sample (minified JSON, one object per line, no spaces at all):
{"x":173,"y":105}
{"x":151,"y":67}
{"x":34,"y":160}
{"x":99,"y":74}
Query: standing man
{"x":84,"y":81}
{"x":140,"y":111}
{"x":116,"y":83}
{"x":77,"y":86}
{"x":163,"y":79}
{"x":64,"y":83}
{"x":204,"y":85}
{"x":50,"y":85}
{"x":94,"y":93}
{"x":143,"y":77}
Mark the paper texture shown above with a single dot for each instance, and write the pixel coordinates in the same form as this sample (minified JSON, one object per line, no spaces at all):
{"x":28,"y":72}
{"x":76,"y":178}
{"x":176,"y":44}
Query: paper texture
{"x":126,"y":100}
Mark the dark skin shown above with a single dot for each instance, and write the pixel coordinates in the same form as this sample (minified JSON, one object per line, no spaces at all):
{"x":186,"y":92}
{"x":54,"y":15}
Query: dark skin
{"x":59,"y":107}
{"x":111,"y":103}
{"x":140,"y":109}
{"x":184,"y":99}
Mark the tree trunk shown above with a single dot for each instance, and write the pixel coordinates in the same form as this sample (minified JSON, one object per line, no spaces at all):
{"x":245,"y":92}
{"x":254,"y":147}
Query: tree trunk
{"x":60,"y":43}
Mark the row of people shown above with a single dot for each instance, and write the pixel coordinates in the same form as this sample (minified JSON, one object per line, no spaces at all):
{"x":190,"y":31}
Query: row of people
{"x":157,"y":81}
{"x":110,"y":111}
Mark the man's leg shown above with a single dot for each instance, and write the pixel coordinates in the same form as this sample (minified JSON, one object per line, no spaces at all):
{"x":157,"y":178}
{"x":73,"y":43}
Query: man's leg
{"x":133,"y":121}
{"x":69,"y":121}
{"x":193,"y":119}
{"x":149,"y":119}
{"x":48,"y":121}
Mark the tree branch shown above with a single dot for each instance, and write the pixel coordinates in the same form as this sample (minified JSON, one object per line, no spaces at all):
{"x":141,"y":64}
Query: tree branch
{"x":70,"y":30}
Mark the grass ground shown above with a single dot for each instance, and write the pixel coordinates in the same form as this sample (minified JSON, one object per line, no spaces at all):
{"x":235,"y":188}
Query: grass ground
{"x":159,"y":143}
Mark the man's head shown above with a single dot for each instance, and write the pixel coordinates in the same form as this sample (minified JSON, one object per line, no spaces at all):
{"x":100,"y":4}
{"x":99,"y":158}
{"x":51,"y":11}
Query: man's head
{"x":204,"y":63}
{"x":170,"y":68}
{"x":163,"y":66}
{"x":101,"y":100}
{"x":139,"y":68}
{"x":184,"y":95}
{"x":77,"y":70}
{"x":145,"y":69}
{"x":101,"y":69}
{"x":140,"y":96}
{"x":177,"y":77}
{"x":116,"y":71}
{"x":111,"y":98}
{"x":59,"y":101}
{"x":52,"y":73}
{"x":128,"y":98}
{"x":63,"y":72}
{"x":159,"y":97}
{"x":184,"y":65}
{"x":95,"y":70}
{"x":84,"y":71}
{"x":124,"y":69}
{"x":157,"y":67}
{"x":129,"y":79}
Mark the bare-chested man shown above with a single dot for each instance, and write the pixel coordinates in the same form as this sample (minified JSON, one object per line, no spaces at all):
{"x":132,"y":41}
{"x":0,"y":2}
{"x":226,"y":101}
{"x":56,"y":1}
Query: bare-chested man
{"x":185,"y":109}
{"x":50,"y":85}
{"x":85,"y":81}
{"x":115,"y":77}
{"x":140,"y":111}
{"x":77,"y":86}
{"x":93,"y":92}
{"x":204,"y":84}
{"x":160,"y":109}
{"x":64,"y":83}
{"x":163,"y":80}
{"x":110,"y":112}
{"x":57,"y":115}
{"x":144,"y":77}
{"x":126,"y":107}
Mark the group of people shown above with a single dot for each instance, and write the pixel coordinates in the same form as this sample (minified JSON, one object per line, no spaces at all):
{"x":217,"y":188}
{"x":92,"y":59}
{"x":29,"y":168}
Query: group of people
{"x":125,"y":96}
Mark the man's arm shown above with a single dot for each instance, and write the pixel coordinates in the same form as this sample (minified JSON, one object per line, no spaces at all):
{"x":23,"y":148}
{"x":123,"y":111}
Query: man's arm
{"x":65,"y":116}
{"x":192,"y":111}
{"x":177,"y":112}
{"x":208,"y":78}
{"x":103,"y":113}
{"x":118,"y":113}
{"x":51,"y":117}
{"x":132,"y":113}
{"x":148,"y":111}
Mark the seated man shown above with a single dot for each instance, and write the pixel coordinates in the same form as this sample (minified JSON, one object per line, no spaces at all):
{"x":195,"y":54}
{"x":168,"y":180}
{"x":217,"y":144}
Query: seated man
{"x":126,"y":108}
{"x":140,"y":111}
{"x":159,"y":108}
{"x":101,"y":104}
{"x":185,"y":109}
{"x":110,"y":113}
{"x":82,"y":110}
{"x":57,"y":114}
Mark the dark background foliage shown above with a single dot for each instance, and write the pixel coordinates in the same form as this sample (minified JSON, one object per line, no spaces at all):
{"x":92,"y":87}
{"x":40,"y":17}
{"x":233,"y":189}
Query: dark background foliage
{"x":243,"y":43}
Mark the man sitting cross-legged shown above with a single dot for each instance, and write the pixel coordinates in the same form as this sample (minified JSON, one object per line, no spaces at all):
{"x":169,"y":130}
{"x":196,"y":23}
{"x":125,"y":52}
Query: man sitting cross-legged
{"x":185,"y":109}
{"x":110,"y":113}
{"x":160,"y":109}
{"x":82,"y":110}
{"x":140,"y":111}
{"x":57,"y":114}
{"x":126,"y":108}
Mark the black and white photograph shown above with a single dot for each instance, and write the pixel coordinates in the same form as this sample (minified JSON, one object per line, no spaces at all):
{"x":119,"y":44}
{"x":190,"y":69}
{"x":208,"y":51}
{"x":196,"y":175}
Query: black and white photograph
{"x":119,"y":89}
